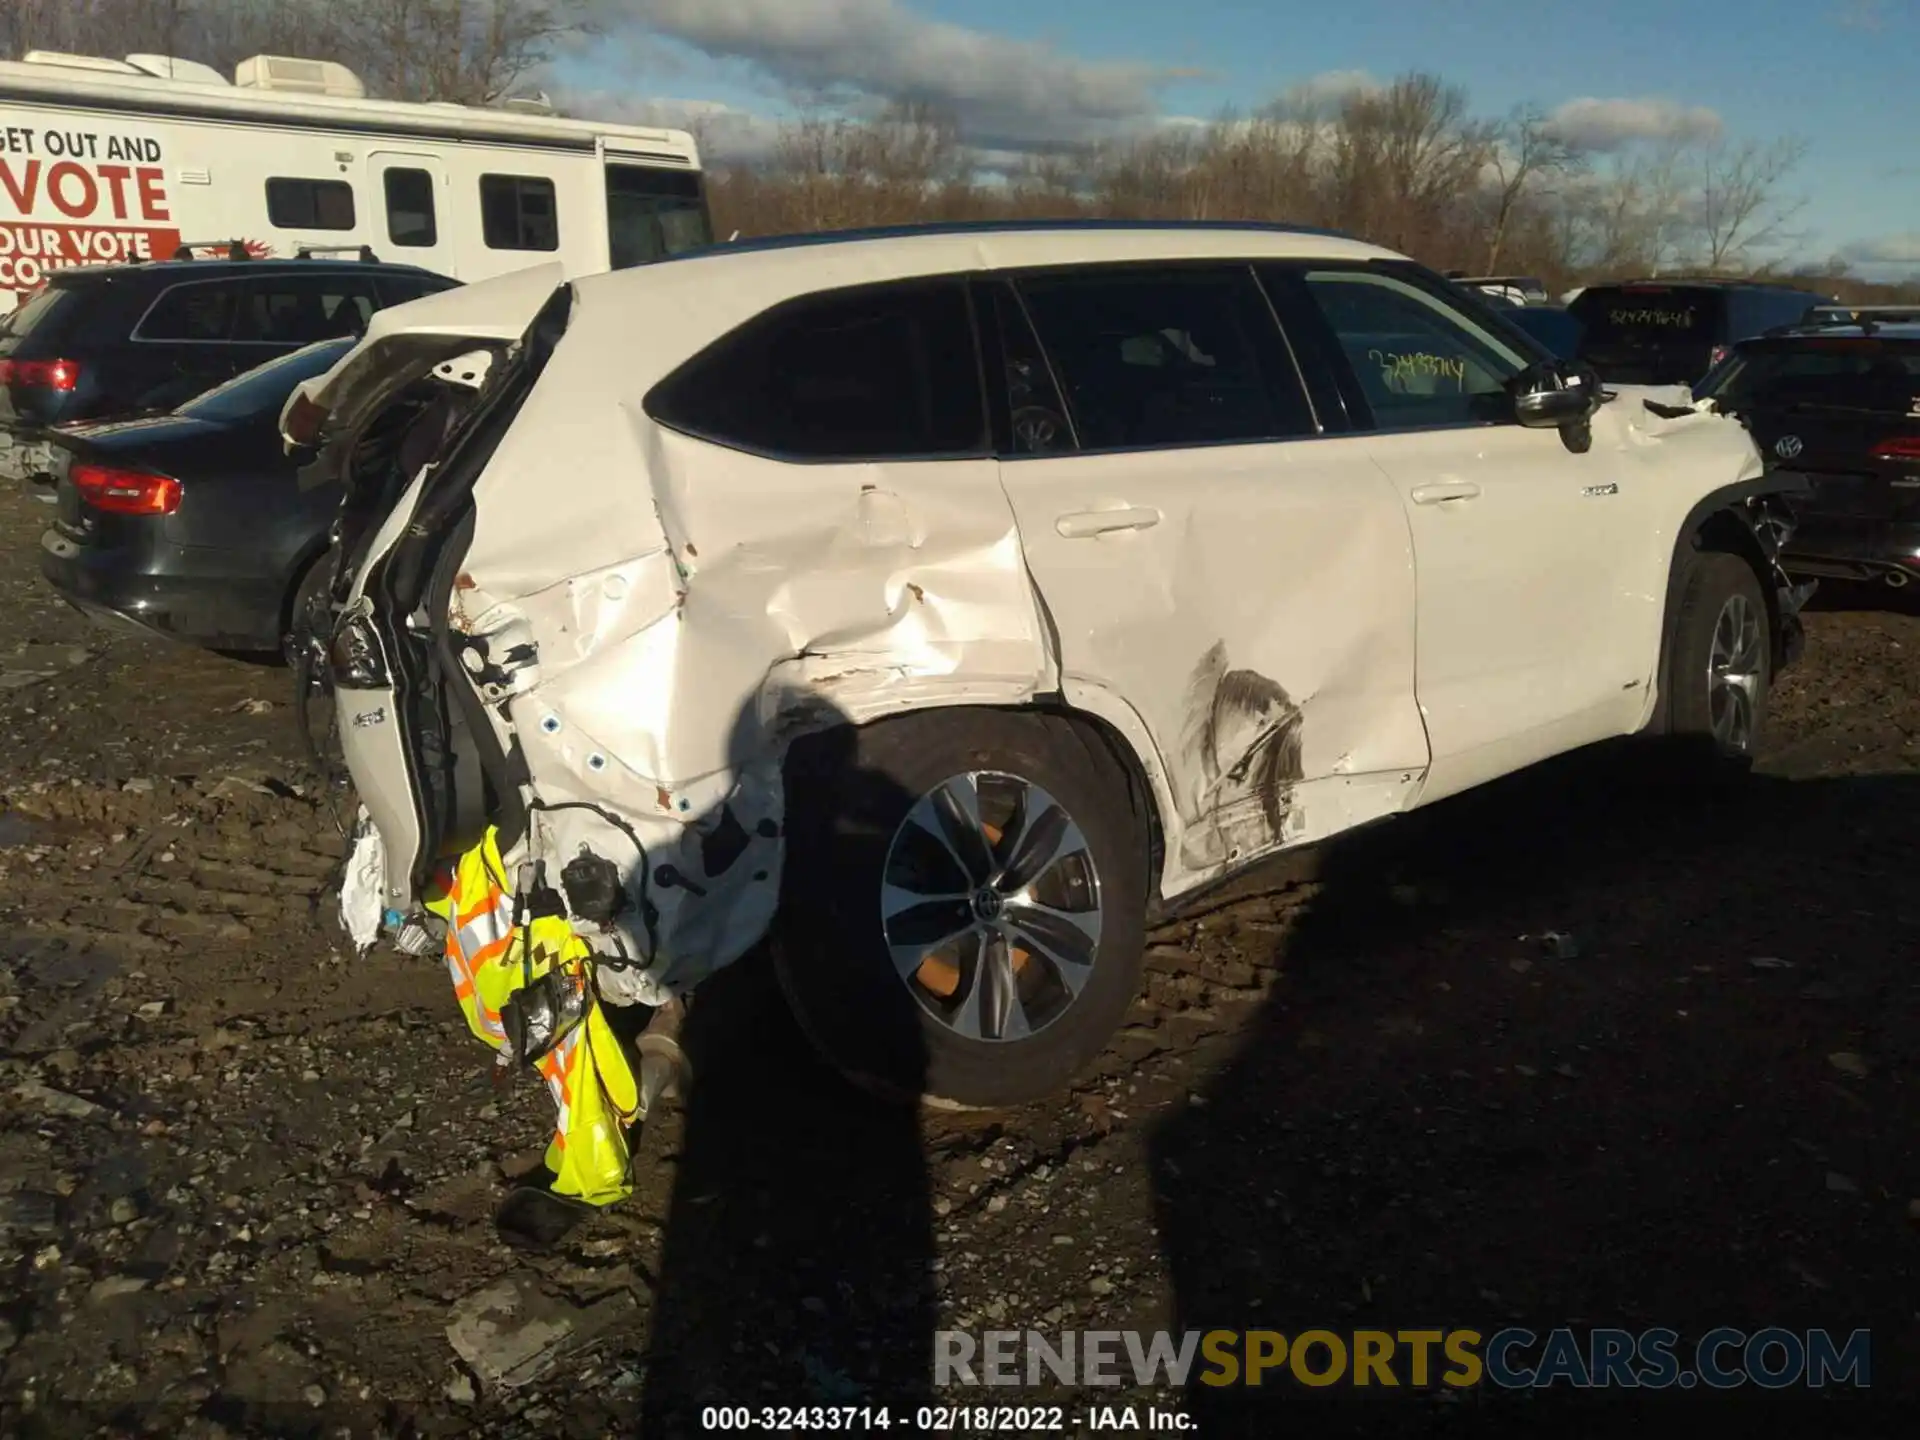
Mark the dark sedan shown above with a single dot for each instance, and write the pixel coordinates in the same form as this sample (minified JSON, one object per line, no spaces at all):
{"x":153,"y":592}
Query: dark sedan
{"x":192,"y":523}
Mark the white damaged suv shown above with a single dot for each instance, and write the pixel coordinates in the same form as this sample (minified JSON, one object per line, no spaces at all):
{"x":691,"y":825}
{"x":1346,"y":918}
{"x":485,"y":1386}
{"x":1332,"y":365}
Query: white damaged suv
{"x":944,"y":602}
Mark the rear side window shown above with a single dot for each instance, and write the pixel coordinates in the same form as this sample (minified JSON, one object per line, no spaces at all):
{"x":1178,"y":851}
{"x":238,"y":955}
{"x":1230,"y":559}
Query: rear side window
{"x":1651,"y":314}
{"x":518,"y":212}
{"x":1165,"y":358}
{"x":310,"y":204}
{"x":410,"y":218}
{"x":877,"y":372}
{"x":203,"y":312}
{"x":299,"y":309}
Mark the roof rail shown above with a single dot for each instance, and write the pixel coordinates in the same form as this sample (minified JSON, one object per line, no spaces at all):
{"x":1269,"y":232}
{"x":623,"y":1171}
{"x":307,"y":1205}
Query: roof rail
{"x":1867,"y":317}
{"x":236,"y":249}
{"x":364,"y":252}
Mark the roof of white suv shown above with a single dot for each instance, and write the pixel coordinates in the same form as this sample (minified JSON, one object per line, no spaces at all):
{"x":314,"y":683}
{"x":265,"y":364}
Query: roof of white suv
{"x":831,"y":258}
{"x":649,"y":318}
{"x":704,"y":294}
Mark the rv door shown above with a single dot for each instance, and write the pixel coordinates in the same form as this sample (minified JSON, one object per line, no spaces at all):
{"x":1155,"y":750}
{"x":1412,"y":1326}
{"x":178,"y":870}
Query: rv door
{"x":414,"y":201}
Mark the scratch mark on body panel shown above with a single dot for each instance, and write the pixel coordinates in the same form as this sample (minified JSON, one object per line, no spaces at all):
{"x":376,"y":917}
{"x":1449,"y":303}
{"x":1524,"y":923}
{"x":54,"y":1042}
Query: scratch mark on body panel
{"x":1241,"y":743}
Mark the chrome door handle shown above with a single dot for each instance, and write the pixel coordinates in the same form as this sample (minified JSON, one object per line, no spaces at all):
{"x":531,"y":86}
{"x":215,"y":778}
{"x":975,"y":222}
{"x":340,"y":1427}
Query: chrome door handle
{"x":1084,"y":524}
{"x":1445,"y":490}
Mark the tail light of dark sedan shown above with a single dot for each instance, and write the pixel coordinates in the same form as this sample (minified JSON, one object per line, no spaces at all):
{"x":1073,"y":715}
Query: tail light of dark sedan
{"x":1902,"y":449}
{"x":62,"y":375}
{"x":125,"y":492}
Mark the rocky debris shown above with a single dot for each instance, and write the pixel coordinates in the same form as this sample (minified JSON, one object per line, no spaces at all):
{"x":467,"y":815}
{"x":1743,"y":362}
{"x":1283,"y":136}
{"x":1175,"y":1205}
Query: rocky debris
{"x":510,"y":1333}
{"x":55,"y":1102}
{"x":278,"y":1213}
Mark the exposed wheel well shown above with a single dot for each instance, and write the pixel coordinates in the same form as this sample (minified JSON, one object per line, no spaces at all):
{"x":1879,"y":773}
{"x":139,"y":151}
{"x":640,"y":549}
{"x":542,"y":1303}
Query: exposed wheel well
{"x":1722,"y":529}
{"x":1100,"y":738}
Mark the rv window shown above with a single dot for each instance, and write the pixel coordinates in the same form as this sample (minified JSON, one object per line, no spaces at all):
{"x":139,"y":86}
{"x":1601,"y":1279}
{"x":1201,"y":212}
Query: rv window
{"x":310,"y":204}
{"x":517,"y":212}
{"x":298,"y":310}
{"x":653,"y":213}
{"x":202,"y":312}
{"x":410,"y":208}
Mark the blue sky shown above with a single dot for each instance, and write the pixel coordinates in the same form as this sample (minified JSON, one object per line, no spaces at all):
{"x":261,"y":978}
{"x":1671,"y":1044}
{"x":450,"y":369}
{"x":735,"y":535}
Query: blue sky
{"x":1841,"y":75}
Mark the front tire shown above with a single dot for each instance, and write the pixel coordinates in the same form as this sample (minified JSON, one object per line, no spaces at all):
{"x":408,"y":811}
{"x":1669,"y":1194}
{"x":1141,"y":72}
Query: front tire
{"x":963,"y":903}
{"x":1721,"y":662}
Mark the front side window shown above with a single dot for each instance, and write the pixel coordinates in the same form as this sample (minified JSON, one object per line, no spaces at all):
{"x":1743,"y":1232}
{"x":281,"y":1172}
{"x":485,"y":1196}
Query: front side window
{"x":202,"y":312}
{"x":298,"y":310}
{"x":1162,"y":358}
{"x":519,"y":212}
{"x":878,"y":372}
{"x":653,"y":213}
{"x":1420,"y":362}
{"x":410,"y":218}
{"x":310,"y":204}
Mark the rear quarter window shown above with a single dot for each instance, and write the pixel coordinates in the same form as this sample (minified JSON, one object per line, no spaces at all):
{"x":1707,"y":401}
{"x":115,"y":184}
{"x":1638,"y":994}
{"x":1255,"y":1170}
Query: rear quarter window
{"x":876,"y":372}
{"x":41,"y":313}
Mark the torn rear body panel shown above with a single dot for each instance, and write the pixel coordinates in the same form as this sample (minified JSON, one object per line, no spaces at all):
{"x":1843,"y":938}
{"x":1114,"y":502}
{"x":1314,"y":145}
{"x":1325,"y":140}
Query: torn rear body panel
{"x":611,"y":663}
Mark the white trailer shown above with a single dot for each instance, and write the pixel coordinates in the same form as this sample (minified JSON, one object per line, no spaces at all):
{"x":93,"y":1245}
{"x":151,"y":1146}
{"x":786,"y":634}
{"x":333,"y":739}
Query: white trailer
{"x":106,"y":161}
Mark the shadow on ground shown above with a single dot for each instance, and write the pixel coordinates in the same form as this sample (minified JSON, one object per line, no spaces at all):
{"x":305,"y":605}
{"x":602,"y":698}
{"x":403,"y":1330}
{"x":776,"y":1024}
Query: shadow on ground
{"x":1449,"y":1116}
{"x":797,"y":1262}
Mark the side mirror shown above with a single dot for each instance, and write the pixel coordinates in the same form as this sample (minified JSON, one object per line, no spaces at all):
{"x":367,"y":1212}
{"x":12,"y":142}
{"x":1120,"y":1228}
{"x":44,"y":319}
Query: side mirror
{"x":1554,"y":393}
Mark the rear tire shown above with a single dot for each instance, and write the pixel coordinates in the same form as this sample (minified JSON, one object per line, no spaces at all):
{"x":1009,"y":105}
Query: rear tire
{"x":1720,"y":665}
{"x":979,"y":1023}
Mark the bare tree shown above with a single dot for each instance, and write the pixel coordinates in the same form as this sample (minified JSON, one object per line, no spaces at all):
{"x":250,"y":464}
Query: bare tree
{"x":1740,"y":206}
{"x":1525,"y":153}
{"x":472,"y":52}
{"x":469,"y":51}
{"x":1401,"y":156}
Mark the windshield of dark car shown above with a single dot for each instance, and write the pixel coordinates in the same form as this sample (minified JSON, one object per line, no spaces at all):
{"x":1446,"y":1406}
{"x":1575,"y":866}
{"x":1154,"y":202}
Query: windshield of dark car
{"x":265,"y":388}
{"x":1864,"y":374}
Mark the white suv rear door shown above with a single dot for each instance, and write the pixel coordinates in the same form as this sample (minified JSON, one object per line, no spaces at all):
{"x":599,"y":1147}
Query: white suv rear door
{"x":1530,"y":557}
{"x":1220,"y":573}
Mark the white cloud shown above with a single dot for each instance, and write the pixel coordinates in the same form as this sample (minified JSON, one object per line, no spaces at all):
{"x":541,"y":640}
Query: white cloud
{"x":1602,"y":125}
{"x":1886,"y":250}
{"x":1017,"y":94}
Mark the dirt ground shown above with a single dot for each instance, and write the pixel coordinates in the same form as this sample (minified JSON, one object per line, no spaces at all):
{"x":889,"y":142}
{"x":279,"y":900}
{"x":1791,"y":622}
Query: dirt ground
{"x":1575,"y":1050}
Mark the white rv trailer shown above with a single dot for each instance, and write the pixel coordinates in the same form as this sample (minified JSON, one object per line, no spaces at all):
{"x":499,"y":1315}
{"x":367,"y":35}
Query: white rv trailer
{"x":107,"y":161}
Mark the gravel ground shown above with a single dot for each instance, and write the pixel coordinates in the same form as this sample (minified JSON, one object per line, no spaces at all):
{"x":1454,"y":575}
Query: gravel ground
{"x":1570,"y":1051}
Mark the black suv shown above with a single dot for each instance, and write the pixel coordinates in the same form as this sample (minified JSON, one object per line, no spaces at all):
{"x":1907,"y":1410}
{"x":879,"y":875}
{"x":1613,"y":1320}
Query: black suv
{"x":1672,"y":332}
{"x":1839,"y":404}
{"x":113,"y":340}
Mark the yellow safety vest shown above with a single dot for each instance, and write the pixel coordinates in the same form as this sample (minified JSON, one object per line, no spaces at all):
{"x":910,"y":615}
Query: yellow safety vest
{"x":587,"y":1073}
